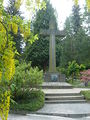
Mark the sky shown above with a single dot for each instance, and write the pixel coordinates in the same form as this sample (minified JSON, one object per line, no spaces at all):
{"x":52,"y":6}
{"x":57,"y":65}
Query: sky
{"x":63,"y":8}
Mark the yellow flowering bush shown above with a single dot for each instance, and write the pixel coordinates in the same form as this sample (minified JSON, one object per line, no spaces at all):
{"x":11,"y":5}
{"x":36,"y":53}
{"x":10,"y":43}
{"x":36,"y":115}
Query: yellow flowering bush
{"x":8,"y":63}
{"x":7,"y":70}
{"x":4,"y":104}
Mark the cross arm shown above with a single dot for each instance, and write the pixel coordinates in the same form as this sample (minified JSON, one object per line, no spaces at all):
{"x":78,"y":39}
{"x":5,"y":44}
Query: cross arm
{"x":45,"y":32}
{"x":60,"y":33}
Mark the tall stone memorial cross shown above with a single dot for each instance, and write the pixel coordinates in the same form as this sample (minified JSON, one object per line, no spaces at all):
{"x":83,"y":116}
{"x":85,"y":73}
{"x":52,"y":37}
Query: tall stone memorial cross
{"x":52,"y":51}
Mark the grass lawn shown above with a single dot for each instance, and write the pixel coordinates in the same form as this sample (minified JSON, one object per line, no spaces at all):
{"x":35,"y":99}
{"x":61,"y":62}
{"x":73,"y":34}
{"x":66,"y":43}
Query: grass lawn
{"x":78,"y":83}
{"x":32,"y":102}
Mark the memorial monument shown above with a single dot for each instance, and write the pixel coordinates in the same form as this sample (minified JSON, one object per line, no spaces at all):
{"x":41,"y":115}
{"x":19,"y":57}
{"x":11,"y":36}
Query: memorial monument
{"x":52,"y":75}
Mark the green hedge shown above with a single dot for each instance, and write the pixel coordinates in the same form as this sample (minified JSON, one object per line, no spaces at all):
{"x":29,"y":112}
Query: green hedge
{"x":32,"y":102}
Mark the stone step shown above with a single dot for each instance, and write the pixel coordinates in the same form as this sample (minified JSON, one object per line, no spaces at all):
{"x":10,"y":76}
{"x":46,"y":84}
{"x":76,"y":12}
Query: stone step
{"x":83,"y":116}
{"x":56,"y":85}
{"x":64,"y":97}
{"x":64,"y":101}
{"x":62,"y":94}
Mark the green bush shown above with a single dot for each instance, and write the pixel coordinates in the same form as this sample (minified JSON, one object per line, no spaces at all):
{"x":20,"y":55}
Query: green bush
{"x":33,"y":101}
{"x":86,"y":94}
{"x":74,"y":69}
{"x":34,"y":77}
{"x":25,"y":78}
{"x":25,"y":88}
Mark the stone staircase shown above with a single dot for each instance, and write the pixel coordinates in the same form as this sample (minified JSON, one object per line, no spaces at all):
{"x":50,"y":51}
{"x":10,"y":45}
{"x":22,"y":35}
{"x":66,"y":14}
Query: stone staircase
{"x":61,"y":97}
{"x":64,"y":98}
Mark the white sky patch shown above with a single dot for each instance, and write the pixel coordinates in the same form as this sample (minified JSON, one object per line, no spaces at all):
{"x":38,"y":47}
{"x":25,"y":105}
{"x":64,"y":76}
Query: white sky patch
{"x":63,"y":8}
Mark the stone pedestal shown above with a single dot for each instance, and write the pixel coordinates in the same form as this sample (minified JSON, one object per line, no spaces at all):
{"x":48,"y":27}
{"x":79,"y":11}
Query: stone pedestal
{"x":54,"y":77}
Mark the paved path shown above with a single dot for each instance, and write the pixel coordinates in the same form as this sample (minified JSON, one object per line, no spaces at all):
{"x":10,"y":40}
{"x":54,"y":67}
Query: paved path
{"x":65,"y":109}
{"x":42,"y":117}
{"x":59,"y":111}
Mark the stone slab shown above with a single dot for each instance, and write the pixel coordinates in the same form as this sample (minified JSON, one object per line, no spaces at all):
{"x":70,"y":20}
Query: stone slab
{"x":68,"y":110}
{"x":65,"y":101}
{"x":56,"y":85}
{"x":41,"y":117}
{"x":64,"y":91}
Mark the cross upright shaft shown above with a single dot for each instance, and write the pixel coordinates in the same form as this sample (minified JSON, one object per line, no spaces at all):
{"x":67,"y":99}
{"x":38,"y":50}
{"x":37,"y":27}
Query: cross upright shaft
{"x":52,"y":51}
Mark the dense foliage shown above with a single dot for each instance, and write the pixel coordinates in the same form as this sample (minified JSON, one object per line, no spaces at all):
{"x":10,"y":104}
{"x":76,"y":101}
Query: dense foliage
{"x":26,"y":78}
{"x":25,"y":88}
{"x":28,"y":101}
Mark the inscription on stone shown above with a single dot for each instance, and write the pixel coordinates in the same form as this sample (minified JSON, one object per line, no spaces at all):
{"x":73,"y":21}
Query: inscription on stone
{"x":54,"y":77}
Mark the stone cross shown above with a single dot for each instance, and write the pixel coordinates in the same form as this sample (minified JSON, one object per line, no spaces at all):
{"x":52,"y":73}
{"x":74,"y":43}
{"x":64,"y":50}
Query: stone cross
{"x":52,"y":51}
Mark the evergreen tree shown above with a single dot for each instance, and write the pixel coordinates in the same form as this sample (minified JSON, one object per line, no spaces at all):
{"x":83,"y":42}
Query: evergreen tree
{"x":76,"y":20}
{"x":86,"y":21}
{"x":76,"y":45}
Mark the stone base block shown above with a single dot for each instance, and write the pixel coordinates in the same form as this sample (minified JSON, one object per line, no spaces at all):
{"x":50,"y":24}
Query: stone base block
{"x":54,"y":77}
